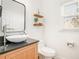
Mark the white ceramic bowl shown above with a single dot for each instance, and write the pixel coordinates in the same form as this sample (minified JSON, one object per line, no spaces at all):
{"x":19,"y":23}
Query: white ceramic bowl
{"x":16,"y":38}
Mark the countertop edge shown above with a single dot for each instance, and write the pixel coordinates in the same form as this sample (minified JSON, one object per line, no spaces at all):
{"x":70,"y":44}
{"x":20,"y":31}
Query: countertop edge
{"x":35,"y":41}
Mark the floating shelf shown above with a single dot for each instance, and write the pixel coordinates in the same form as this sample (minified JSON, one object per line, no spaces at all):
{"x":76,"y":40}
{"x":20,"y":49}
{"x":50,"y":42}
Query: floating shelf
{"x":38,"y":16}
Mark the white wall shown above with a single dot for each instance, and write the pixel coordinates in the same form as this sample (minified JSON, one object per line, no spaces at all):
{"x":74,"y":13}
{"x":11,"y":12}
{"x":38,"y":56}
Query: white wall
{"x":54,"y":36}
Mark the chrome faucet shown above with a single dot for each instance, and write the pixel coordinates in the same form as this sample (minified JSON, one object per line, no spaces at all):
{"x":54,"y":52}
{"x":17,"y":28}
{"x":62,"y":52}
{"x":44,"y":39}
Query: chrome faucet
{"x":5,"y":34}
{"x":4,"y":31}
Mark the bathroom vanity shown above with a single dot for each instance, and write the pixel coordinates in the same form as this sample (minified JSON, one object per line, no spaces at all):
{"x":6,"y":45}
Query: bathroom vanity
{"x":25,"y":50}
{"x":11,"y":12}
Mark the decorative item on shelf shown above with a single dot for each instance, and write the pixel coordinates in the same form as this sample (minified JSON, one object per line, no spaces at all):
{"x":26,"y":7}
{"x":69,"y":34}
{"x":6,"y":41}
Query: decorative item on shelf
{"x":38,"y":19}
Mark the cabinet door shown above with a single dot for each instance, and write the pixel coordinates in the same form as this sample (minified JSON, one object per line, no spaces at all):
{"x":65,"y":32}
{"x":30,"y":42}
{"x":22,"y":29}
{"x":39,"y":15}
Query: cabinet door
{"x":2,"y":57}
{"x":16,"y":55}
{"x":31,"y":52}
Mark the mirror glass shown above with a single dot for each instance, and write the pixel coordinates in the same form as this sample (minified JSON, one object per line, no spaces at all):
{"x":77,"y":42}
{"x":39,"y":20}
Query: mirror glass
{"x":12,"y":15}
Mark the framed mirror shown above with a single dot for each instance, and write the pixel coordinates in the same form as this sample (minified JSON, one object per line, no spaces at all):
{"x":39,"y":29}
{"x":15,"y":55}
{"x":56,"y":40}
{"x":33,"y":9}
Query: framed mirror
{"x":13,"y":15}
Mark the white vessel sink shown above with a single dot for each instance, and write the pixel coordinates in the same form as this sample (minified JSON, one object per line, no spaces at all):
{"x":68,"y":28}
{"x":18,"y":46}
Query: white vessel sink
{"x":16,"y":38}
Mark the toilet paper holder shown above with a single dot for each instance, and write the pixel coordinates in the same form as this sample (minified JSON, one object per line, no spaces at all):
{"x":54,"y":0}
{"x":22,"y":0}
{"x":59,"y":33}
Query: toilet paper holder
{"x":70,"y":44}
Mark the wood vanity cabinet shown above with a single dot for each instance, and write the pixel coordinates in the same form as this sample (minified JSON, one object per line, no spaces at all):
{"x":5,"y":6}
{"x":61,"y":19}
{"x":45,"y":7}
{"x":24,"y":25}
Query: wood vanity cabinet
{"x":28,"y":52}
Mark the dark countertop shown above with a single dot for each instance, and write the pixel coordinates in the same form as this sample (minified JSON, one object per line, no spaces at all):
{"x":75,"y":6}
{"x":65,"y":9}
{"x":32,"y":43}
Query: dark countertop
{"x":14,"y":46}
